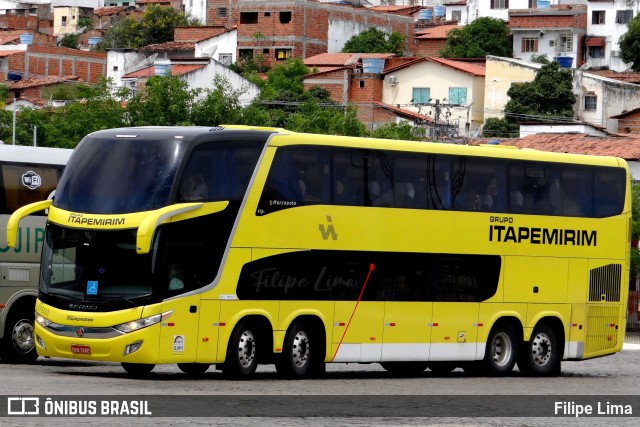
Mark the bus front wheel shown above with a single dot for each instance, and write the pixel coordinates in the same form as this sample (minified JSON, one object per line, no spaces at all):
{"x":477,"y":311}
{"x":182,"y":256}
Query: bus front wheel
{"x":242,"y":352}
{"x":18,"y":344}
{"x":301,"y":354}
{"x":138,"y":369}
{"x":502,"y":350}
{"x":541,"y":354}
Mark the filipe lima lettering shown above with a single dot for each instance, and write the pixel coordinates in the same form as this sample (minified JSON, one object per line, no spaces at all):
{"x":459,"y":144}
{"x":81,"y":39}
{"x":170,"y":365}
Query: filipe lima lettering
{"x":272,"y":278}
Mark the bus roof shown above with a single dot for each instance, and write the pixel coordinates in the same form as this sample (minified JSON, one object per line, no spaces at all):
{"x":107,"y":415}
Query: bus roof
{"x":29,"y":154}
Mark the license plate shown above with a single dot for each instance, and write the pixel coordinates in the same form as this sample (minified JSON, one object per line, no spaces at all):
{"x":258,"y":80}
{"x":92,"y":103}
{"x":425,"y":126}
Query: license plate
{"x":80,"y":349}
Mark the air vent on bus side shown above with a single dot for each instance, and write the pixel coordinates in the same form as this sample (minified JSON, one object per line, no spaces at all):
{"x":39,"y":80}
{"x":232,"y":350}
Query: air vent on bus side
{"x":604,"y":283}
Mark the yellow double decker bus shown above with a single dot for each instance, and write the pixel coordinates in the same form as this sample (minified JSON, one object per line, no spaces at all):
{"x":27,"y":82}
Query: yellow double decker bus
{"x":240,"y":246}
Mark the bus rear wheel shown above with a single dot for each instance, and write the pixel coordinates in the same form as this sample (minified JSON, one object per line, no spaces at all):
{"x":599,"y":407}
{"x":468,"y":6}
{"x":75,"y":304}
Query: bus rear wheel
{"x":138,"y":370}
{"x":301,"y":356}
{"x":193,"y":368}
{"x":18,"y":345}
{"x":242,"y":352}
{"x":541,"y":354}
{"x":502,"y":351}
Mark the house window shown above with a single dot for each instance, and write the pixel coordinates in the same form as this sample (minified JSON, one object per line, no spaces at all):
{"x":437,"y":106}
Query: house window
{"x":456,"y":15}
{"x":265,"y":51}
{"x":499,"y":4}
{"x":361,"y":84}
{"x":624,"y":16}
{"x":597,"y":17}
{"x":115,"y":68}
{"x":566,"y":43}
{"x":285,"y":17}
{"x":421,"y":95}
{"x":245,"y":54}
{"x":590,"y":102}
{"x":225,"y":58}
{"x":221,"y":12}
{"x":64,"y":21}
{"x":282,"y":54}
{"x":596,"y":52}
{"x":533,"y":4}
{"x":529,"y":44}
{"x":457,"y":95}
{"x":248,"y":17}
{"x":267,"y":14}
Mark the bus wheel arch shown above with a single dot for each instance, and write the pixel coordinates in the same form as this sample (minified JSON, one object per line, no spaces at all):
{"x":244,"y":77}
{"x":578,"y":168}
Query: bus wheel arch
{"x":250,"y":343}
{"x":304,"y":348}
{"x":541,"y":355}
{"x":503,"y":345}
{"x":18,"y":344}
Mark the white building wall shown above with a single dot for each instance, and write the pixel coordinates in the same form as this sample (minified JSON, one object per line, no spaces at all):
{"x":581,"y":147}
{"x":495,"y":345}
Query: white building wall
{"x":121,"y":62}
{"x":219,"y":45}
{"x":196,"y":9}
{"x":203,"y":79}
{"x":340,"y":31}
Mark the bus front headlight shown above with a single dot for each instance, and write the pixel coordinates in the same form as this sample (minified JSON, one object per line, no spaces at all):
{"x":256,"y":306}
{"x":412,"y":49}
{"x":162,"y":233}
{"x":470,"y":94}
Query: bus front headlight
{"x":142,"y":323}
{"x":42,"y":321}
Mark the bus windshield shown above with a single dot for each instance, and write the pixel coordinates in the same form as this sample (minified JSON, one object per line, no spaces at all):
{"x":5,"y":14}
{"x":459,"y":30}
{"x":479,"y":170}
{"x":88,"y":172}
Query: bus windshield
{"x":114,"y":177}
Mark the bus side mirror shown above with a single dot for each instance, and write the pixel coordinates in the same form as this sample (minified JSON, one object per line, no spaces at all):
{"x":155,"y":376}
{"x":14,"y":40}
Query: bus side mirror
{"x":14,"y":219}
{"x":147,"y":227}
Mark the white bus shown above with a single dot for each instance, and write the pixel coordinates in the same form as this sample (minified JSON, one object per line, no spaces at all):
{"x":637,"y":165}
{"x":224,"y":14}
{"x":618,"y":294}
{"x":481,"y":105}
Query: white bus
{"x":27,"y":175}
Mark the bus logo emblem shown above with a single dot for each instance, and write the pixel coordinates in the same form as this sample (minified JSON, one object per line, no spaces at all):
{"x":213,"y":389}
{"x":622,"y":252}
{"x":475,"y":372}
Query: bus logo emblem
{"x":328,"y":231}
{"x":80,"y":332}
{"x":31,"y":180}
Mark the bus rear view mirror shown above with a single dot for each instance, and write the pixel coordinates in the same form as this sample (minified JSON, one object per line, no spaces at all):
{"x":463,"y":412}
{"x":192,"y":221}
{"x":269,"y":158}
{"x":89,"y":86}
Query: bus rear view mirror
{"x":14,"y":219}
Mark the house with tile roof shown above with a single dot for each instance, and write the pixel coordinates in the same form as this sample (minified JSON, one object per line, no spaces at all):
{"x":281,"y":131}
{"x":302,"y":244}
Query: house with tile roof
{"x":450,"y":91}
{"x":600,"y":98}
{"x":429,"y":41}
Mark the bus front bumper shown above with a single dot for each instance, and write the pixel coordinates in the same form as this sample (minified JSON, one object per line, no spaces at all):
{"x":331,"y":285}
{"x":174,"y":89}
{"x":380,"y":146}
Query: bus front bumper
{"x":136,"y":347}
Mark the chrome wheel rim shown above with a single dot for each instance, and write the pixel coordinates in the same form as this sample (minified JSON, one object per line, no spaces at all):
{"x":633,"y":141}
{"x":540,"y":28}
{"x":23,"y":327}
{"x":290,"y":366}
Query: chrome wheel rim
{"x":541,"y":349}
{"x":300,"y":349}
{"x":501,"y":349}
{"x":22,"y":336}
{"x":246,"y":349}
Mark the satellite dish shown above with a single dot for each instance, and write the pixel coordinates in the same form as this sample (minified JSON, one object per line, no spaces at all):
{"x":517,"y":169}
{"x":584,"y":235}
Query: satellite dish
{"x":209,"y":52}
{"x":146,"y":62}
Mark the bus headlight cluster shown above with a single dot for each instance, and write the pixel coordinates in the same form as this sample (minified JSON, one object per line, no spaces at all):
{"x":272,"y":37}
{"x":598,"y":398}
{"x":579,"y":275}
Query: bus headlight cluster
{"x":43,"y":321}
{"x":142,"y":323}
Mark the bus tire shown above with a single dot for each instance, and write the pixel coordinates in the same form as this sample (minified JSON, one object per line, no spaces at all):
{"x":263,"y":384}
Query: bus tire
{"x":404,"y":369}
{"x":193,"y":368}
{"x":541,"y":354}
{"x":442,"y":368}
{"x":242,"y":352}
{"x":18,"y":345}
{"x":301,"y":356}
{"x":138,"y":370}
{"x":502,"y":350}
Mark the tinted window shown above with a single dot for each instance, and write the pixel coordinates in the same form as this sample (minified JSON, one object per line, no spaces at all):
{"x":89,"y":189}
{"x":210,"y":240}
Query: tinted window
{"x":23,"y":184}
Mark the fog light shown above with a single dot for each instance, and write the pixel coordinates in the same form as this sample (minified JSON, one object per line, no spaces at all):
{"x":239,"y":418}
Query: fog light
{"x":40,"y":342}
{"x":132,"y":348}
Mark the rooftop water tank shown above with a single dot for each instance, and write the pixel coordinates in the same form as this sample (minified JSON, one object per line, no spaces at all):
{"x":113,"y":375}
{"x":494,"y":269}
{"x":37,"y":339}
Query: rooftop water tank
{"x":544,"y":4}
{"x":26,"y":38}
{"x":94,"y":40}
{"x":162,"y":68}
{"x":439,"y":11}
{"x":14,"y":76}
{"x":372,"y":65}
{"x":564,"y":61}
{"x":426,"y":14}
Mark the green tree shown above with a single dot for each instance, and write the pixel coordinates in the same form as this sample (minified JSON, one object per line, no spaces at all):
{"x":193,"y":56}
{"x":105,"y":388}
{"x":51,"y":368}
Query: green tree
{"x":500,"y":128}
{"x":347,"y":123}
{"x":373,"y":40}
{"x":549,"y":94}
{"x":156,"y":26}
{"x":220,"y":105}
{"x":165,"y":101}
{"x":630,"y":44}
{"x":398,"y":131}
{"x":70,"y":41}
{"x":484,"y":36}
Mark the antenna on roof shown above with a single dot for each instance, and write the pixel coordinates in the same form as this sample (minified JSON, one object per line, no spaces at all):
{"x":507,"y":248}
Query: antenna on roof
{"x":146,"y":62}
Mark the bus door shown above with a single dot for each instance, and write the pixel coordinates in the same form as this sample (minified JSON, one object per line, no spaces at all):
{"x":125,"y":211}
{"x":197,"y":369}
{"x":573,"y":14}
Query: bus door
{"x":179,"y":332}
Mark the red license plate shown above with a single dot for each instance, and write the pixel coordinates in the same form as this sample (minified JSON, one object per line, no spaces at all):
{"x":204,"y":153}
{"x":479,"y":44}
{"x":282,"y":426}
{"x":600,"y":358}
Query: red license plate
{"x":80,"y":349}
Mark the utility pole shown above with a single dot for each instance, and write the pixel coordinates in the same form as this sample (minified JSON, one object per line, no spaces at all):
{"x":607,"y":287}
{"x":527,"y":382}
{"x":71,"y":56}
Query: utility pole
{"x":14,"y":121}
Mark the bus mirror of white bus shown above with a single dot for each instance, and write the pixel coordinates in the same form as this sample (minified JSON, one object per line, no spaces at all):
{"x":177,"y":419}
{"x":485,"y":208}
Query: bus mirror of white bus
{"x":14,"y":219}
{"x":180,"y":211}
